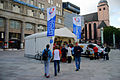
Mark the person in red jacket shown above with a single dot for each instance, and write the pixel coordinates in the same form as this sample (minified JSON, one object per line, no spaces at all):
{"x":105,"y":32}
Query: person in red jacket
{"x":95,"y":52}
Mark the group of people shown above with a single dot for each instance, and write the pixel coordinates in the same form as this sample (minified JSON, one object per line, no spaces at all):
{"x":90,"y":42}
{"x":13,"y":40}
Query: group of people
{"x":104,"y":54}
{"x":58,"y":55}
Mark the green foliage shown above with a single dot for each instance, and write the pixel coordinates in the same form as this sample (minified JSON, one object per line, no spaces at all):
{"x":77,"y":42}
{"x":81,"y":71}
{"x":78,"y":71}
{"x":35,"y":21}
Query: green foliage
{"x":108,"y":35}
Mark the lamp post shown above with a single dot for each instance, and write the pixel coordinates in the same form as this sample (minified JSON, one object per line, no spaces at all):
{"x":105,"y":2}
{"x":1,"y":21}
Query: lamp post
{"x":102,"y":39}
{"x":114,"y":40}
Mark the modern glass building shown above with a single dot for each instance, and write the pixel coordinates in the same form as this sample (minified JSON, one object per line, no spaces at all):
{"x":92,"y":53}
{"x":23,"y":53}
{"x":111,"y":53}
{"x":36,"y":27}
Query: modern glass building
{"x":69,"y":11}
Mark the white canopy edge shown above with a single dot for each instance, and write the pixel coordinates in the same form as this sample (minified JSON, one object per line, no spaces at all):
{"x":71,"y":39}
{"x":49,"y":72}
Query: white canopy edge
{"x":62,"y":32}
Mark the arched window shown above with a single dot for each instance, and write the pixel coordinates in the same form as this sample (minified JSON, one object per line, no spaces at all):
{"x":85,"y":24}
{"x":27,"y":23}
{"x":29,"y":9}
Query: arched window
{"x":95,"y":32}
{"x":85,"y":31}
{"x":90,"y":32}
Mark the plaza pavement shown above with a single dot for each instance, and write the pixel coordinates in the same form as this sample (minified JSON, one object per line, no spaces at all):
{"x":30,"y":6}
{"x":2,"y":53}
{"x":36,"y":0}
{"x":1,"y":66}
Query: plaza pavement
{"x":14,"y":66}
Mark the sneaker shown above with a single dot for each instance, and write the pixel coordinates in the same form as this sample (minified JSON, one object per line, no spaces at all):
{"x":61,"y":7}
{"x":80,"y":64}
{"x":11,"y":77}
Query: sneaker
{"x":47,"y":76}
{"x":55,"y":74}
{"x":77,"y":70}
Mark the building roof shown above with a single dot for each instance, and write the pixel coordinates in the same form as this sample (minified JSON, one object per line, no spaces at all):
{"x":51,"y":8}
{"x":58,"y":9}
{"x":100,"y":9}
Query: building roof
{"x":71,"y":7}
{"x":102,"y":24}
{"x":91,"y":17}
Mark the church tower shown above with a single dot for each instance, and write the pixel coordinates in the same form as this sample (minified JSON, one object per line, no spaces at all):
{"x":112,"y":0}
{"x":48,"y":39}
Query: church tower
{"x":103,"y":12}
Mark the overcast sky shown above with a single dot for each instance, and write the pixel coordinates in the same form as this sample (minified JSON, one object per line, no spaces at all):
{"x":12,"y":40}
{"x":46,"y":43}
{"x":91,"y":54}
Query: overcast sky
{"x":90,"y":6}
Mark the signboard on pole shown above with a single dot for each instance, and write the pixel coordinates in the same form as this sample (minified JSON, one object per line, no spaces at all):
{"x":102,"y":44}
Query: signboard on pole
{"x":51,"y":17}
{"x":77,"y":27}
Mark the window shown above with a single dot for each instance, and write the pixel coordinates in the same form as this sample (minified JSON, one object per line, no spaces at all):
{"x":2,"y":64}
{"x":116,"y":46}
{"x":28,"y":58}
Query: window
{"x":58,"y":12}
{"x":95,"y":32}
{"x":59,"y":21}
{"x":100,"y":9}
{"x":32,"y":2}
{"x":50,"y":1}
{"x":43,"y":6}
{"x":103,"y":8}
{"x":29,"y":26}
{"x":1,"y":4}
{"x":30,"y":12}
{"x":16,"y":8}
{"x":15,"y":24}
{"x":90,"y":32}
{"x":28,"y":2}
{"x":41,"y":28}
{"x":42,"y":16}
{"x":40,"y":5}
{"x":57,"y":4}
{"x":1,"y":22}
{"x":85,"y":31}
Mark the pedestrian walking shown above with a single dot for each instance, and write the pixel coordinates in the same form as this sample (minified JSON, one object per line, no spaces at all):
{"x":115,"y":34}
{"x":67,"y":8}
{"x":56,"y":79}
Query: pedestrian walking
{"x":69,"y":54}
{"x":95,"y":52}
{"x":56,"y":58}
{"x":106,"y":53}
{"x":46,"y":56}
{"x":77,"y":55}
{"x":64,"y":53}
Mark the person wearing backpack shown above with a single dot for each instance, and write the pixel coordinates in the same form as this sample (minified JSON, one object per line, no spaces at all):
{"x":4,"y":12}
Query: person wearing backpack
{"x":56,"y":57}
{"x":46,"y":56}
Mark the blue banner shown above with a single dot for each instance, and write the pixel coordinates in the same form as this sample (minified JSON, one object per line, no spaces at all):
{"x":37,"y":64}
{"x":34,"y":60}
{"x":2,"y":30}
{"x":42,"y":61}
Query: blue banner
{"x":51,"y":17}
{"x":77,"y":27}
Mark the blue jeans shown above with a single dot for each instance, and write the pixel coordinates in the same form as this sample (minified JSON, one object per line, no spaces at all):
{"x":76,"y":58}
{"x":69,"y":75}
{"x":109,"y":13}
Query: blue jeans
{"x":77,"y":62}
{"x":56,"y":66}
{"x":46,"y":66}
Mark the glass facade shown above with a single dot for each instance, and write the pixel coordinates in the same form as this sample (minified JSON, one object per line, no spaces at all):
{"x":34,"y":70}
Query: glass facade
{"x":29,"y":26}
{"x":1,"y":22}
{"x":41,"y":28}
{"x":15,"y":24}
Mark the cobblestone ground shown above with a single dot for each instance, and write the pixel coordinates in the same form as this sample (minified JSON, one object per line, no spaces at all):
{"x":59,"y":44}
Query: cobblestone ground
{"x":14,"y":66}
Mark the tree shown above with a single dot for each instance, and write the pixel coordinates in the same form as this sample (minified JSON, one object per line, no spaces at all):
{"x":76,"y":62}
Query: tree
{"x":108,"y":35}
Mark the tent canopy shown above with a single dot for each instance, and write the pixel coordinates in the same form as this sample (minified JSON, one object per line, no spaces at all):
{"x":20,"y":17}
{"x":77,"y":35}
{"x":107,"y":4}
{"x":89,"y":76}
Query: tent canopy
{"x":62,"y":32}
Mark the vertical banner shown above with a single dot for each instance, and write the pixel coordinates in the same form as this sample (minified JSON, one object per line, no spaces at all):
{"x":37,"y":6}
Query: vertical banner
{"x":51,"y":17}
{"x":77,"y":27}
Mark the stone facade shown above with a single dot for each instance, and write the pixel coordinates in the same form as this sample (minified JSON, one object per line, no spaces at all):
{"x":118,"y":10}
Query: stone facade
{"x":10,"y":14}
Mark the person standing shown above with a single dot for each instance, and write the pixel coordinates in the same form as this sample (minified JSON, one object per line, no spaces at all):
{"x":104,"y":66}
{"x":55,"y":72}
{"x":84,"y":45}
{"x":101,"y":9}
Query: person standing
{"x":106,"y":53}
{"x":77,"y":55}
{"x":56,"y":58}
{"x":69,"y":54}
{"x":64,"y":53}
{"x":95,"y":52}
{"x":46,"y":56}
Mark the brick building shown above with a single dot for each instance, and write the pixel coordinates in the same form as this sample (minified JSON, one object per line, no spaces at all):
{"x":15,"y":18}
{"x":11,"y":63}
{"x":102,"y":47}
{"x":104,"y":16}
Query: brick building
{"x":95,"y":21}
{"x":19,"y":18}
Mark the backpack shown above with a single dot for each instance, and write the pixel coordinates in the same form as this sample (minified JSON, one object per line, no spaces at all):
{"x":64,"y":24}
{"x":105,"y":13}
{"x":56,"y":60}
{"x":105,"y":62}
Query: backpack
{"x":107,"y":49}
{"x":45,"y":55}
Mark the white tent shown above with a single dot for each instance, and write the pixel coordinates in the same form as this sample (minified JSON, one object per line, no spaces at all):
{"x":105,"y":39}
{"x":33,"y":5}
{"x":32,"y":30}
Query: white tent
{"x":37,"y":42}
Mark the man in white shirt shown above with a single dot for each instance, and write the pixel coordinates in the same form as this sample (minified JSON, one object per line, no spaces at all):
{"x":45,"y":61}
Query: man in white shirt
{"x":69,"y":54}
{"x":56,"y":58}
